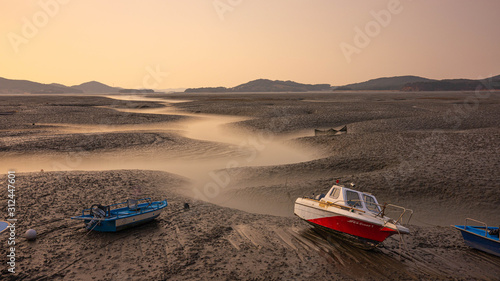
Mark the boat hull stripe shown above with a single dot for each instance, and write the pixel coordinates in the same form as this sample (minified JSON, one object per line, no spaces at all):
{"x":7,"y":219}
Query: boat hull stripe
{"x":355,"y":227}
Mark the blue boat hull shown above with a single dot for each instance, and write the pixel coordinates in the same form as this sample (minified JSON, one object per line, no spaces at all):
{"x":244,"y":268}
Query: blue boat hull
{"x":477,"y":238}
{"x":117,"y":225}
{"x":3,"y":226}
{"x":122,"y":218}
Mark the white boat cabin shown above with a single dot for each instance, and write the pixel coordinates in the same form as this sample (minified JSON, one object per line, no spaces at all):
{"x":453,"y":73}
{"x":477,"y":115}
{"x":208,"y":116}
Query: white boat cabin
{"x":341,"y":195}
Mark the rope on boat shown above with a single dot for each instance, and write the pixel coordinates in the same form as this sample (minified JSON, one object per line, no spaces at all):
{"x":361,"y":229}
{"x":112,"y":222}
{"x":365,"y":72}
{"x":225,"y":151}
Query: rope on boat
{"x":90,"y":230}
{"x":401,"y":242}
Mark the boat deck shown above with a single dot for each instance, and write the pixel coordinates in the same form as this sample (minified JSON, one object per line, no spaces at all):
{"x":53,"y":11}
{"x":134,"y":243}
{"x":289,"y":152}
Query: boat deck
{"x":112,"y":219}
{"x":126,"y":211}
{"x":479,"y":231}
{"x":483,"y":238}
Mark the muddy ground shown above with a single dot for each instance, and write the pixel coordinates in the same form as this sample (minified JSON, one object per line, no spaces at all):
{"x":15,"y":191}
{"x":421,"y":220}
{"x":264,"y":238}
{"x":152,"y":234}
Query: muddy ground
{"x":436,"y":153}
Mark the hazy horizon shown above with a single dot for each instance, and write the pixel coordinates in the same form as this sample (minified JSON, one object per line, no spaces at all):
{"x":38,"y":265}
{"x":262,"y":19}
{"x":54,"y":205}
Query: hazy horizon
{"x":183,"y":44}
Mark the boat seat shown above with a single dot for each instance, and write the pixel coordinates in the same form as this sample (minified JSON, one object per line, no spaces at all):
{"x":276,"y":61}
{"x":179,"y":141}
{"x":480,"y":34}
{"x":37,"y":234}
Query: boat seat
{"x":319,"y":197}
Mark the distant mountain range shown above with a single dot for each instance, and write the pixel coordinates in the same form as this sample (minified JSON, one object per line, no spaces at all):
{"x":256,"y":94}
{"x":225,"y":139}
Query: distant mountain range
{"x":415,"y":83}
{"x":265,"y":85}
{"x":9,"y":86}
{"x":397,"y":83}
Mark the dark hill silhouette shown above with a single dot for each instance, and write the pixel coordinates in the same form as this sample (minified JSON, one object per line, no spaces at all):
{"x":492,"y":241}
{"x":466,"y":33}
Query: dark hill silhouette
{"x":494,"y":81}
{"x":265,"y":85}
{"x":384,"y":83}
{"x":58,"y":85}
{"x":207,"y":90}
{"x":96,"y":87}
{"x":136,"y":91}
{"x":10,"y":86}
{"x":454,"y":85}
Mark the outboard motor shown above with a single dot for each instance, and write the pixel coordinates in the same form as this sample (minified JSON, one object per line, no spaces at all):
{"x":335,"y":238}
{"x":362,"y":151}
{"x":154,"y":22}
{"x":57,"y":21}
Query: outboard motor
{"x":97,"y":212}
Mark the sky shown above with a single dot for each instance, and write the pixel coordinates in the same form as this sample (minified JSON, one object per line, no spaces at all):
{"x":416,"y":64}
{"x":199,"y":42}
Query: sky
{"x":195,"y":43}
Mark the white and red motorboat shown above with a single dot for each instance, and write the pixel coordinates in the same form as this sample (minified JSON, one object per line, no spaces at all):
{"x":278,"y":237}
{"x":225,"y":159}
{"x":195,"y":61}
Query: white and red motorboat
{"x":354,"y":215}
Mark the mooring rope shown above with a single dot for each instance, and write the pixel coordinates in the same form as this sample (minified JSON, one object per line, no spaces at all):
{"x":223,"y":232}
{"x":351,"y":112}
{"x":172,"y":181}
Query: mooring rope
{"x":98,"y":214}
{"x":401,"y":242}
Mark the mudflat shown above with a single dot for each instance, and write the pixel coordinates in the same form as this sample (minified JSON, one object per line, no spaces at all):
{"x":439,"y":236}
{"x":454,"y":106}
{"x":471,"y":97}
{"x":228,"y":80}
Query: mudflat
{"x":240,"y":161}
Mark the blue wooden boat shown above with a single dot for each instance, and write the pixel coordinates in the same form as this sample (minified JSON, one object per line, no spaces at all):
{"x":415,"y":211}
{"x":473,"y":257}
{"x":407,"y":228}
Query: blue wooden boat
{"x":114,"y":218}
{"x":3,"y":226}
{"x":483,"y":238}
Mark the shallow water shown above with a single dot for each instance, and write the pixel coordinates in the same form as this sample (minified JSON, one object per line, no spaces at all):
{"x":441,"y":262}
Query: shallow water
{"x":229,"y":147}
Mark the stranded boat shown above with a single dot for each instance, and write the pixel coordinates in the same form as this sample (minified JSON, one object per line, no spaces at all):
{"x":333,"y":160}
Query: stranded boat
{"x":331,"y":132}
{"x":483,"y":238}
{"x":3,"y":226}
{"x":111,"y":218}
{"x":352,"y":215}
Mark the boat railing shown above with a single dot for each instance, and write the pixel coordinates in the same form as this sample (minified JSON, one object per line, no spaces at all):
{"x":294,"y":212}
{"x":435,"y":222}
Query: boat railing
{"x":127,"y":203}
{"x":341,"y":206}
{"x":404,"y":211}
{"x":485,"y":225}
{"x":382,"y":209}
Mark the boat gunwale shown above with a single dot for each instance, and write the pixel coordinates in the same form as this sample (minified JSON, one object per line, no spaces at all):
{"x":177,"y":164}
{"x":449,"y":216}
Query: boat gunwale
{"x":459,"y":227}
{"x":379,"y":221}
{"x":114,"y":214}
{"x":343,"y":207}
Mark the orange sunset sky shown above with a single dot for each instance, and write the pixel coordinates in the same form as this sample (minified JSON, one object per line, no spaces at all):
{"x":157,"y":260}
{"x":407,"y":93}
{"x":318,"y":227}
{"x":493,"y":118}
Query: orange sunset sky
{"x":195,"y":43}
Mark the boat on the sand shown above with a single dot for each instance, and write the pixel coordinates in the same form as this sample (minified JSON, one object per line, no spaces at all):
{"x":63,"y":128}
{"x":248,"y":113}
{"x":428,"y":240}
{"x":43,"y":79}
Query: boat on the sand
{"x":8,"y":112}
{"x":3,"y":226}
{"x":114,"y":218}
{"x":352,"y":215}
{"x":331,"y":132}
{"x":482,"y":237}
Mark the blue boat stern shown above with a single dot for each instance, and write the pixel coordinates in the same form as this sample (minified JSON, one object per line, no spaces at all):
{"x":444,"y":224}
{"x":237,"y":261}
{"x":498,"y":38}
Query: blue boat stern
{"x":479,"y":238}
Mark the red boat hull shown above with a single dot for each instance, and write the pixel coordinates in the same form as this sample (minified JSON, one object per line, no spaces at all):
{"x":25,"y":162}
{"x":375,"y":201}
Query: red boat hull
{"x":354,"y":227}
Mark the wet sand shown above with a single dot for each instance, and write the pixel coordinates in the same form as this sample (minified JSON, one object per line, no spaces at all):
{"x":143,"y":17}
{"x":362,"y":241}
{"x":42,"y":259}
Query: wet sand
{"x":436,"y":153}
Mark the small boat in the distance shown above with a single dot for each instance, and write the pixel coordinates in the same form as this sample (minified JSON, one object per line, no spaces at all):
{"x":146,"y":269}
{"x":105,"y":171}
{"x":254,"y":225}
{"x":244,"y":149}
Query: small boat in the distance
{"x":483,"y":238}
{"x":331,"y":132}
{"x":112,"y":218}
{"x":352,"y":215}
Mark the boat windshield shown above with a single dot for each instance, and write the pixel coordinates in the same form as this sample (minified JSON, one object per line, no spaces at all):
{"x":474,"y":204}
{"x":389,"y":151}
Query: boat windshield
{"x":352,"y":199}
{"x":371,"y":204}
{"x":335,"y":193}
